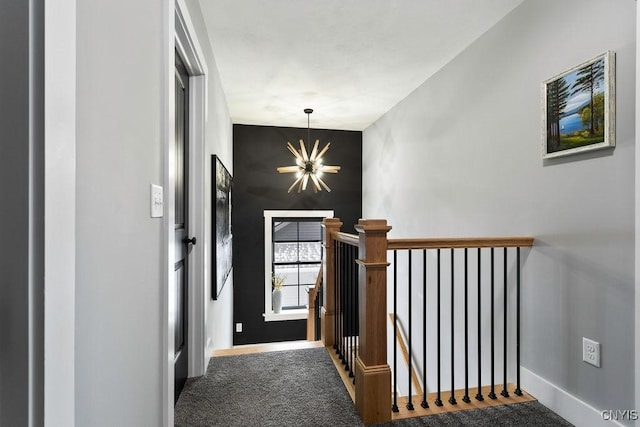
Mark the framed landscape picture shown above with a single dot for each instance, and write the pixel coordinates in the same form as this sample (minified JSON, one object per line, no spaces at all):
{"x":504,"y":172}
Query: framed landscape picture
{"x":579,"y":108}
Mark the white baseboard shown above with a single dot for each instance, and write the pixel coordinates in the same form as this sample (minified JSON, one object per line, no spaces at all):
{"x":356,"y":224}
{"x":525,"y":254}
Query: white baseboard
{"x":562,"y":403}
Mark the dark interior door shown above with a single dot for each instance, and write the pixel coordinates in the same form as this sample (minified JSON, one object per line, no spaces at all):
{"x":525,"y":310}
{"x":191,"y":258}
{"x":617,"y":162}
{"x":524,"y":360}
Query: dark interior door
{"x":182,"y":241}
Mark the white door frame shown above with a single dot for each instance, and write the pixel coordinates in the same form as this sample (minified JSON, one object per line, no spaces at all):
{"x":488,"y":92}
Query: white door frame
{"x":189,"y":48}
{"x":180,"y":35}
{"x":60,"y":212}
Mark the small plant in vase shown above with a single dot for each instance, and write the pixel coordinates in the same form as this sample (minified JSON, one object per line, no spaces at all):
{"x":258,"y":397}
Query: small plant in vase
{"x":277,"y":281}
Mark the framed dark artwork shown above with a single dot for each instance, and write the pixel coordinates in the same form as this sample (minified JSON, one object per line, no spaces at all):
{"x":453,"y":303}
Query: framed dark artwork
{"x":222,"y":237}
{"x":579,"y":108}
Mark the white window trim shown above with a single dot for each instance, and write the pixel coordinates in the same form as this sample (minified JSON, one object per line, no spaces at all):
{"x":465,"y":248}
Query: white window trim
{"x":295,"y":314}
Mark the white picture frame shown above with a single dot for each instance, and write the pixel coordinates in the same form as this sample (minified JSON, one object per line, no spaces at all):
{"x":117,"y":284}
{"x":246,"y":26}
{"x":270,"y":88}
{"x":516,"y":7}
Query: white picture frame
{"x":578,"y":108}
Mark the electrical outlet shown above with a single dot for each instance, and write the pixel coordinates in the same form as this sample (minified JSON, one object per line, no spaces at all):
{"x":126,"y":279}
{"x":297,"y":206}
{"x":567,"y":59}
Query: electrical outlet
{"x":238,"y":327}
{"x":591,"y":352}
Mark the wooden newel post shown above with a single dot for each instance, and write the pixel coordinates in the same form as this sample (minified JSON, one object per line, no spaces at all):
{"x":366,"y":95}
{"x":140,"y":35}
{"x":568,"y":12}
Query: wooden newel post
{"x":373,"y":375}
{"x":327,"y":312}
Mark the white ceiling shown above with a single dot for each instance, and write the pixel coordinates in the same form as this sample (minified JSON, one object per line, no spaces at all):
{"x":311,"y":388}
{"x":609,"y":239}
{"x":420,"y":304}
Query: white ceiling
{"x":349,"y":60}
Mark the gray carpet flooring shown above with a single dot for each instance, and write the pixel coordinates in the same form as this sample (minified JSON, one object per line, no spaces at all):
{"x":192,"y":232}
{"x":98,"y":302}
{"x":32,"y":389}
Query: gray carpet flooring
{"x":302,"y":388}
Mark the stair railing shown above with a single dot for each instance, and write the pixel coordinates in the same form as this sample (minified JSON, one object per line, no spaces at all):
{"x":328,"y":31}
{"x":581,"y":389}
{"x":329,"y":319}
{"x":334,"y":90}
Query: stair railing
{"x":459,"y":269}
{"x":354,"y":306}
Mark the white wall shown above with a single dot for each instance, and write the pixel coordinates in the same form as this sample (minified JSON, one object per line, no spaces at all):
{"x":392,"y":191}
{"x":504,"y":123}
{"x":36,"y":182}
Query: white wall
{"x":218,"y":140}
{"x":119,"y":248}
{"x":120,"y":295}
{"x":464,"y":151}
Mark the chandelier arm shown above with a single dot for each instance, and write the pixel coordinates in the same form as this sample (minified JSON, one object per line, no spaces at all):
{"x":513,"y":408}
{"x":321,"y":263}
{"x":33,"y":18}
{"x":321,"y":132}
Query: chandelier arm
{"x":324,"y":185}
{"x":315,"y":178}
{"x":294,"y":151}
{"x":329,"y":169}
{"x":294,"y":184}
{"x":288,"y":169}
{"x":324,"y":150}
{"x":314,"y":152}
{"x":303,"y":150}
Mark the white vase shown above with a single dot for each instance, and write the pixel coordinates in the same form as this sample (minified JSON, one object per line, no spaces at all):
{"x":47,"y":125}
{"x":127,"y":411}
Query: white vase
{"x":276,"y":300}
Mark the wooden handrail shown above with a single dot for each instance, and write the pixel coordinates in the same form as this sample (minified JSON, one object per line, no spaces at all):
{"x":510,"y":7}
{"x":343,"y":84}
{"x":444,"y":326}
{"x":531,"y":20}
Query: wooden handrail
{"x":464,"y":242}
{"x":314,"y":291}
{"x":349,"y":239}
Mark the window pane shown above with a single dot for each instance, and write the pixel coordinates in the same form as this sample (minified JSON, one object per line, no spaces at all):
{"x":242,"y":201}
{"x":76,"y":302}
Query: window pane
{"x":285,"y":231}
{"x":310,"y":230}
{"x":289,"y":272}
{"x":309,"y":273}
{"x":303,"y":294}
{"x":285,"y":252}
{"x":310,"y":251}
{"x":290,"y":296}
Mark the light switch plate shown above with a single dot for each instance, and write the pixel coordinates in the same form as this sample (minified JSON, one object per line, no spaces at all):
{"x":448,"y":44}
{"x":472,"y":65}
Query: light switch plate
{"x":157,"y":201}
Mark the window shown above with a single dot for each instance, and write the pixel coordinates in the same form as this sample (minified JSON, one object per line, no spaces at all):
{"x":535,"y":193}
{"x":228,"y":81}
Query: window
{"x":293,"y":249}
{"x":297,"y":256}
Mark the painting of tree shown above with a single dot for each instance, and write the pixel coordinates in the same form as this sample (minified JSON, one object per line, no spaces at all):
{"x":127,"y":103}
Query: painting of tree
{"x":589,"y":79}
{"x":557,"y":94}
{"x":579,"y":106}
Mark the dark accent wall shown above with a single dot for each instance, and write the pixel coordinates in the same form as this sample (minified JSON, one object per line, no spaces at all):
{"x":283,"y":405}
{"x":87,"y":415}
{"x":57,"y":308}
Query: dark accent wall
{"x":257,"y":186}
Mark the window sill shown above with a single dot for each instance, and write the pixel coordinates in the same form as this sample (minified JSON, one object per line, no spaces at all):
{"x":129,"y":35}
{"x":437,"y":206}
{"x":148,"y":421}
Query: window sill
{"x":297,"y":314}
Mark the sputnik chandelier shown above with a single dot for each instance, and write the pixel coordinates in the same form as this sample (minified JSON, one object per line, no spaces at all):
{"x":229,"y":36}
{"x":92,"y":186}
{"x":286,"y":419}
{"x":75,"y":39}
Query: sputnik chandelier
{"x":308,"y":167}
